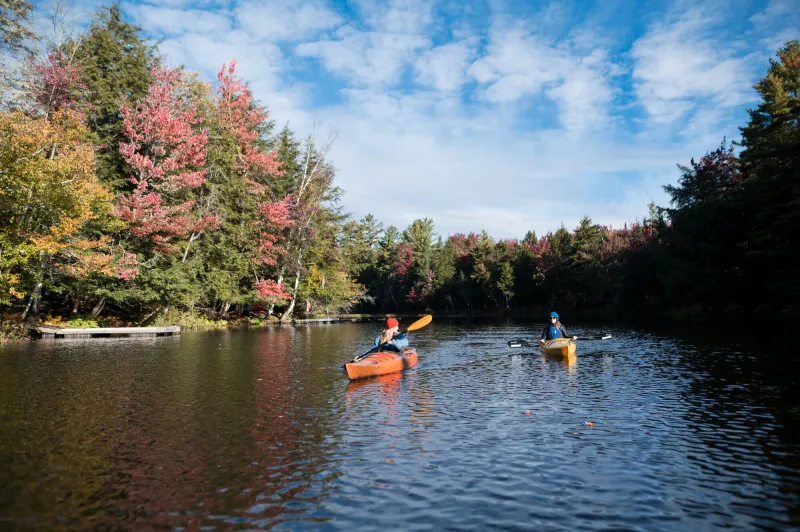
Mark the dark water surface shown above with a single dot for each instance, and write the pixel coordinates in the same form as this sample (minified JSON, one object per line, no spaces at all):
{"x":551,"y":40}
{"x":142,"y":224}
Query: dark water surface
{"x":258,"y":430}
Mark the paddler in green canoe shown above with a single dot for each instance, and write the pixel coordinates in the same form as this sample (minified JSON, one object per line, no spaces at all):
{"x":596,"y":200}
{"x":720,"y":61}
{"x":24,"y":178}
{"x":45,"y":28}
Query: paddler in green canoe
{"x":554,"y":329}
{"x":390,"y":338}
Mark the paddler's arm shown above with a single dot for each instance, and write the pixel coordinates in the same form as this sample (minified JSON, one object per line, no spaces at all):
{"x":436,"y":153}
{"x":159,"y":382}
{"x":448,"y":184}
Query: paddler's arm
{"x":400,"y":341}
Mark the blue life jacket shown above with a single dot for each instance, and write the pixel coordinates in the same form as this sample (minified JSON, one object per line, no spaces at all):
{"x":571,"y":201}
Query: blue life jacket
{"x":399,"y":343}
{"x":554,"y":332}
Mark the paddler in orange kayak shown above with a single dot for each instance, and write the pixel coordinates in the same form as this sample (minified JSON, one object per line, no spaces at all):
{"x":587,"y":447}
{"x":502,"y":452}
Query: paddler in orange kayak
{"x":391,"y":338}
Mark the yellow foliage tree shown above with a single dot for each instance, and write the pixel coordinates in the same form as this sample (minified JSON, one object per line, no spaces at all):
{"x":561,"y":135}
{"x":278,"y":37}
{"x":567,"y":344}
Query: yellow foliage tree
{"x":330,"y":290}
{"x":54,"y":214}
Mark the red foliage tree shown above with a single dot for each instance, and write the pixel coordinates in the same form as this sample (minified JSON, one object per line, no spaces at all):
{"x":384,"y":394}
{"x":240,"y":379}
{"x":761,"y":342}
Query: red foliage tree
{"x":167,"y":155}
{"x":267,"y":289}
{"x":245,"y":121}
{"x":463,"y":244}
{"x":275,"y":217}
{"x":402,"y":263}
{"x":55,"y":83}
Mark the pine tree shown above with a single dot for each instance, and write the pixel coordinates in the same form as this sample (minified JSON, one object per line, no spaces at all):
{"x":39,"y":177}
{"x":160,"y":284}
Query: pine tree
{"x":287,"y":151}
{"x":116,"y":63}
{"x":771,"y":194}
{"x":530,"y":238}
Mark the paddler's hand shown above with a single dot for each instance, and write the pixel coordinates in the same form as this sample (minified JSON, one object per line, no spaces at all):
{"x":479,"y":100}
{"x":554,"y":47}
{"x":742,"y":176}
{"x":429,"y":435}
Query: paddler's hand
{"x":541,"y":340}
{"x":574,"y":337}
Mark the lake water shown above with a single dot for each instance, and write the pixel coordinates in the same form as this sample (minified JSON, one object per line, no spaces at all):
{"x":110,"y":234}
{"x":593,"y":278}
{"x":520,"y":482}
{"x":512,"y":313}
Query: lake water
{"x":260,"y":429}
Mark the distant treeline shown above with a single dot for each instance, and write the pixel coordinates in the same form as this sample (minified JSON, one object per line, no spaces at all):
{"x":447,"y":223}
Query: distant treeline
{"x":727,"y":247}
{"x":140,"y":193}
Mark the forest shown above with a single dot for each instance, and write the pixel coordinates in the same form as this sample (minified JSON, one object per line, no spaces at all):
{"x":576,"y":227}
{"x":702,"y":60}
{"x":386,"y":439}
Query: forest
{"x":135,"y":193}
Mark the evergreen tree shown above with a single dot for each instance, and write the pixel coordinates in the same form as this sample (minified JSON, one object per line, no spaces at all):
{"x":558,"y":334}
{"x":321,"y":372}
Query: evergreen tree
{"x":771,"y":194}
{"x":420,"y":235}
{"x":505,"y":282}
{"x":116,"y":63}
{"x":530,"y":238}
{"x":384,"y":289}
{"x":707,"y":238}
{"x":287,"y":151}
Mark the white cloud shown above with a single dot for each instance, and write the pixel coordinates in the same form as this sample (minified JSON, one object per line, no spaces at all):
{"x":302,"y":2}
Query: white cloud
{"x":396,"y":16}
{"x":286,"y":20}
{"x":474,"y":173}
{"x":377,"y":55}
{"x":775,"y":10}
{"x":444,"y":67}
{"x":471,"y":164}
{"x":178,"y":21}
{"x":519,"y":64}
{"x":777,"y":23}
{"x":366,"y":58}
{"x":207,"y":53}
{"x":676,"y":64}
{"x":207,"y":4}
{"x":583,"y":98}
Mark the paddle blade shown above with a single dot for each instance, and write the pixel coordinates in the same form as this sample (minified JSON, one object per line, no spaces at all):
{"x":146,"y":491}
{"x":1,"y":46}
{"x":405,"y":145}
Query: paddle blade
{"x":420,"y":323}
{"x":518,"y":343}
{"x":604,"y":337}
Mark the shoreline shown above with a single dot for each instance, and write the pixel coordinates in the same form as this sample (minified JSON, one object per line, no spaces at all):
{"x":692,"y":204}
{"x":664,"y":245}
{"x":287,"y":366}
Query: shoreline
{"x":16,"y":331}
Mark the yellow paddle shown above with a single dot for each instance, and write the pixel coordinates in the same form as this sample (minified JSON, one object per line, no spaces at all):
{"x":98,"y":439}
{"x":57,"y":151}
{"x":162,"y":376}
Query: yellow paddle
{"x":419,"y":324}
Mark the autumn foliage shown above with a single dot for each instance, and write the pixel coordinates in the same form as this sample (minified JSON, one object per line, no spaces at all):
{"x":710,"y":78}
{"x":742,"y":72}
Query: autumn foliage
{"x":138,"y":190}
{"x":53,"y":208}
{"x":166,"y":151}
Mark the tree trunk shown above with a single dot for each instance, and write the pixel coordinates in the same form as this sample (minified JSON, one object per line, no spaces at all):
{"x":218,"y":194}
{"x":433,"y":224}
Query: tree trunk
{"x":76,"y":303}
{"x":391,"y":293}
{"x":288,"y":313}
{"x":152,"y":313}
{"x":99,"y":307}
{"x":226,"y":307}
{"x":34,"y":303}
{"x":192,"y":238}
{"x":272,"y":305}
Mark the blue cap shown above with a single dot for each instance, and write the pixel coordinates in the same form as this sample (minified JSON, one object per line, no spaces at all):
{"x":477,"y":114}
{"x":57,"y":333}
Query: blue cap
{"x":554,"y":315}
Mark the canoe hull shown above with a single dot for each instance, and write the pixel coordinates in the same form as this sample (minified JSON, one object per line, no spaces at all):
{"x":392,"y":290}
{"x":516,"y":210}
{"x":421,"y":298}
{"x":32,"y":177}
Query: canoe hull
{"x":561,"y":347}
{"x":381,"y":363}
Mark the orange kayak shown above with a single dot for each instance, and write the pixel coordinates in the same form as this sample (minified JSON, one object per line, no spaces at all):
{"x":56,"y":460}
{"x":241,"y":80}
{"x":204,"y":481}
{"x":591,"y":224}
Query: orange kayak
{"x":381,"y":363}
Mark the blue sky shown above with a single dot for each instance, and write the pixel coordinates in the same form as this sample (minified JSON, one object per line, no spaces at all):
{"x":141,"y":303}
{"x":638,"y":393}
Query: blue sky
{"x":499,"y":115}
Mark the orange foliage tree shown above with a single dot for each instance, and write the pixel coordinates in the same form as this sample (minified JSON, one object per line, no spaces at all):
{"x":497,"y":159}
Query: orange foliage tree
{"x":53,"y":211}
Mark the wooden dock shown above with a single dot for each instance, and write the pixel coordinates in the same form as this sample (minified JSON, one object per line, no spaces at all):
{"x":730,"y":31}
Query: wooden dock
{"x":108,"y":332}
{"x":316,"y":320}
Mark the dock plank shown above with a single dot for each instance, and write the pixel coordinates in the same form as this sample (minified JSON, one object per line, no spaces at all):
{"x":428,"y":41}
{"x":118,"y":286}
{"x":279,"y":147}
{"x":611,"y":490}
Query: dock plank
{"x":88,"y":332}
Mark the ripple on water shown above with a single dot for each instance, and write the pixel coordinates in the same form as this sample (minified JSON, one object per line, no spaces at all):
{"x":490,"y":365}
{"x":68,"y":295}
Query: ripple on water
{"x":244,"y":430}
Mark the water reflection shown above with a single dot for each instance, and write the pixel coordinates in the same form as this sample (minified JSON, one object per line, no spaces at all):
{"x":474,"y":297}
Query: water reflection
{"x":261,"y":430}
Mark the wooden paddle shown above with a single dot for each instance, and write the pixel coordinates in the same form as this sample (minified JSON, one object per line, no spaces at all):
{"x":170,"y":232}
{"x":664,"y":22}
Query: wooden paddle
{"x":419,"y":324}
{"x":525,"y":343}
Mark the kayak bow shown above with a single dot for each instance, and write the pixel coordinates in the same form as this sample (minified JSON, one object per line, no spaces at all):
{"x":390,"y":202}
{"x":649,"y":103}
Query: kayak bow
{"x":563,"y":347}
